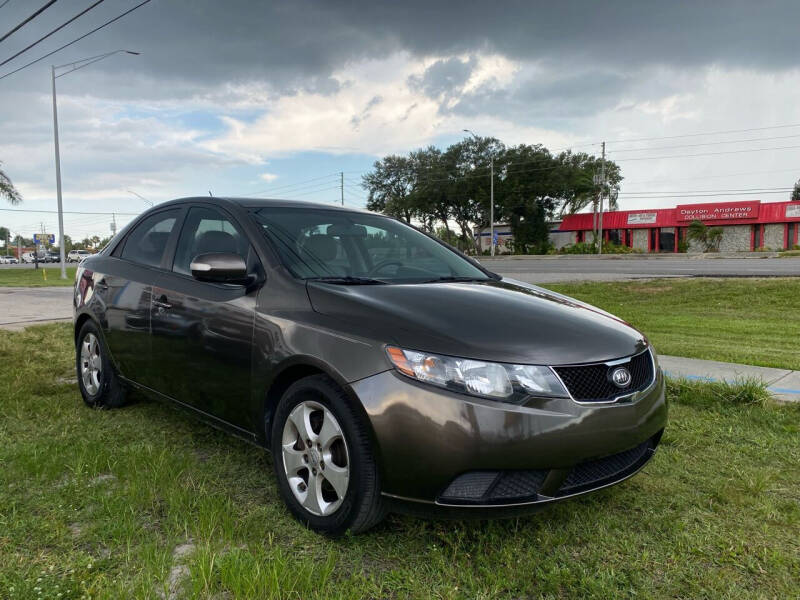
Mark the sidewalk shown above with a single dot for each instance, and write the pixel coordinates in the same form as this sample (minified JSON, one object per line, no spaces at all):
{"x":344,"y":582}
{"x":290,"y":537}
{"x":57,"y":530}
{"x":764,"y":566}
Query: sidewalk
{"x":783,"y":383}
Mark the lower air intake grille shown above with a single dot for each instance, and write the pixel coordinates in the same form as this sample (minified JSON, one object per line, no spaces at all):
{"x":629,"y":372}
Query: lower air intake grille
{"x":594,"y":473}
{"x":494,"y":487}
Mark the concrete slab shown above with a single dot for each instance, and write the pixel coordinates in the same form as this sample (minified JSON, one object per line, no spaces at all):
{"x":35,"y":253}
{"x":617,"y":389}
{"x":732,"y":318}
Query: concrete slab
{"x":788,"y":387}
{"x":783,"y":383}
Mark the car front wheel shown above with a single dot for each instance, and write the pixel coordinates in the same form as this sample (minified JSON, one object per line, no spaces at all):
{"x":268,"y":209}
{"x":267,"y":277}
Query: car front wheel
{"x":323,"y":459}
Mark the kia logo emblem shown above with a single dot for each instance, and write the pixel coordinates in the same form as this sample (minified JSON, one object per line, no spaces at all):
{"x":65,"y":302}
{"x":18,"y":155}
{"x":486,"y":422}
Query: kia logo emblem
{"x":621,"y":377}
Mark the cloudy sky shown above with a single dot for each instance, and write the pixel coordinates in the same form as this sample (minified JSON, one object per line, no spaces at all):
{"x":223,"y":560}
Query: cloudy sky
{"x":275,"y":99}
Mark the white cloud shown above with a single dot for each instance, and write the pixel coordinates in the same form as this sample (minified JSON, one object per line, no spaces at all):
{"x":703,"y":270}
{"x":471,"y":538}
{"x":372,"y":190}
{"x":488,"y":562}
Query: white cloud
{"x":268,"y":177}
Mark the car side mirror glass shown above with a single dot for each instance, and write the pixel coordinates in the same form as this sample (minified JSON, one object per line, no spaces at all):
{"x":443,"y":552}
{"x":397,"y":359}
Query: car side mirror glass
{"x":219,"y":267}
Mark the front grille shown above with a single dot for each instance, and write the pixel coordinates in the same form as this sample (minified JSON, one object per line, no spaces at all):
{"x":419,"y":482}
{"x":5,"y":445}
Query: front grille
{"x":591,"y":383}
{"x":594,"y":473}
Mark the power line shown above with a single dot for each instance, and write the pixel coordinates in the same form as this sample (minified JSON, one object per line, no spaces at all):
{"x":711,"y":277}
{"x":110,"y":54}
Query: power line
{"x":29,"y":19}
{"x":98,"y":28}
{"x":67,"y":212}
{"x":4,"y":3}
{"x":784,"y":189}
{"x":309,"y":190}
{"x":685,"y":135}
{"x":700,"y":195}
{"x":704,"y":177}
{"x":779,"y":137}
{"x":59,"y":28}
{"x":290,"y":185}
{"x":707,"y":153}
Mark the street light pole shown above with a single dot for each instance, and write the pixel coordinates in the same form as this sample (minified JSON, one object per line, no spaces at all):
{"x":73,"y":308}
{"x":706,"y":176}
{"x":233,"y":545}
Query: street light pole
{"x":58,"y":179}
{"x":78,"y":64}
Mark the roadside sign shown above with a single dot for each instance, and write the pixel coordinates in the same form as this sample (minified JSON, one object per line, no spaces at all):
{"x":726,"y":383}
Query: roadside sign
{"x":44,"y":238}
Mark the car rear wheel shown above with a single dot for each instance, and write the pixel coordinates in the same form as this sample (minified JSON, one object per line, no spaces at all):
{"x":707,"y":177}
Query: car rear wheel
{"x":323,"y":459}
{"x":97,"y":380}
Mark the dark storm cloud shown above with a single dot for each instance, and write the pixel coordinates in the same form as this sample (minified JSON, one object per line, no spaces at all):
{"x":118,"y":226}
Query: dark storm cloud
{"x":194,"y":44}
{"x":444,"y":77}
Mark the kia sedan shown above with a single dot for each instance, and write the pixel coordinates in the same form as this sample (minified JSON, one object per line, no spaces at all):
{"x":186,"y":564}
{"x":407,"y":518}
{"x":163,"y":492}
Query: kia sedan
{"x":384,"y":370}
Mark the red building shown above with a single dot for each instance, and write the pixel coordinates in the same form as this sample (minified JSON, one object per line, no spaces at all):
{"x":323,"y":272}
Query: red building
{"x":746,"y":225}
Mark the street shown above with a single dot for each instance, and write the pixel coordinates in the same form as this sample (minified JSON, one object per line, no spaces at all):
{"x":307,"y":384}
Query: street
{"x":581,"y":268}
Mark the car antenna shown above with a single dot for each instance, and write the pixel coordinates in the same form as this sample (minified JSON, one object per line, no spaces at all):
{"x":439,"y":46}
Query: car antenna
{"x":210,"y":194}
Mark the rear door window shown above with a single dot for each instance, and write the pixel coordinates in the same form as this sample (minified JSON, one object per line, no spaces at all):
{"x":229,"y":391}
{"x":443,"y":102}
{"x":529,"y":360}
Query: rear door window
{"x":145,"y":245}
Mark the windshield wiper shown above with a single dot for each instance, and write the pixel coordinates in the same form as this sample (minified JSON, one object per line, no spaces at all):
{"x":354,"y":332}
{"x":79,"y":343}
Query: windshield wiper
{"x":348,"y":280}
{"x":451,"y":278}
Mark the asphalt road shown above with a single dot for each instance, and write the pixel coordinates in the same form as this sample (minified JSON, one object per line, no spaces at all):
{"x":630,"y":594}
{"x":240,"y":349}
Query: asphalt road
{"x":549,"y":270}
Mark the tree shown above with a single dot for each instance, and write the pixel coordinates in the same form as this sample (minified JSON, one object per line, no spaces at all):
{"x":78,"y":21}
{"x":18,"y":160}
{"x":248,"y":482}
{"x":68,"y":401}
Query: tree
{"x":468,"y":165}
{"x":795,"y":197}
{"x":438,"y":188}
{"x":8,"y":190}
{"x":5,"y":236}
{"x":389,"y":187}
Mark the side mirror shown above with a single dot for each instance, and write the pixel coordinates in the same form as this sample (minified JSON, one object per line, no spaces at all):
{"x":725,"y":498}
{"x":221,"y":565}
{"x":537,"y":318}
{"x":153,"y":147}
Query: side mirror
{"x":219,"y":267}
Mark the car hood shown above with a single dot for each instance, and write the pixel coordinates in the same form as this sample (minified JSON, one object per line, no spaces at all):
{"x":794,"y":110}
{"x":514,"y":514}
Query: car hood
{"x":503,"y":321}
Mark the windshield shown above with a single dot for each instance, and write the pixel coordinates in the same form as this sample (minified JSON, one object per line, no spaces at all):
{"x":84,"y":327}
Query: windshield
{"x":358,"y":247}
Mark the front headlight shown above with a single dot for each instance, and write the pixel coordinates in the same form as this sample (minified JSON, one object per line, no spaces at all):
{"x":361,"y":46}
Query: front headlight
{"x":499,"y":381}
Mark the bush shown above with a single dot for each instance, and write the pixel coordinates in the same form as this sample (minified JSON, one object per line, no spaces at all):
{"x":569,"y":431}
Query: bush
{"x":683,"y":246}
{"x":589,"y":248}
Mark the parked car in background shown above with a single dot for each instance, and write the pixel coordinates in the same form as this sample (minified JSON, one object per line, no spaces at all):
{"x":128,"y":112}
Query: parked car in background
{"x":383,"y":369}
{"x":77,"y":255}
{"x":52,"y":257}
{"x":30,"y":257}
{"x":9,"y":259}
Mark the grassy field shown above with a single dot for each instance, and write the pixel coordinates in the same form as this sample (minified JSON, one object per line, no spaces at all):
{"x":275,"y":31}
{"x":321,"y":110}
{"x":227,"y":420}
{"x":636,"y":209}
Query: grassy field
{"x":145,"y":502}
{"x":750,"y":321}
{"x":45,"y":275}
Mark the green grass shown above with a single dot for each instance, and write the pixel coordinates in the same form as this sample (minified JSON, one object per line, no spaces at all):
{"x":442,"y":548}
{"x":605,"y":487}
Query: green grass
{"x":749,"y":321}
{"x":111,"y":504}
{"x":29,"y":277}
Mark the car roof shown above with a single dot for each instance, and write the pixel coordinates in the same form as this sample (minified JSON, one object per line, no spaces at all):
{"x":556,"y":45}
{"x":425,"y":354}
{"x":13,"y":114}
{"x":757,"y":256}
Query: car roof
{"x":263,"y":203}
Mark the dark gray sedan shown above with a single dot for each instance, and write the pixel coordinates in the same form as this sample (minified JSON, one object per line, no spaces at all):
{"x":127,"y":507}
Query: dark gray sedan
{"x":383,"y":369}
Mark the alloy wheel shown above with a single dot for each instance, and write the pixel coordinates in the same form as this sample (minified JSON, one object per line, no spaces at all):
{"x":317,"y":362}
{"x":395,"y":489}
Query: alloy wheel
{"x":91,"y":364}
{"x":315,"y":458}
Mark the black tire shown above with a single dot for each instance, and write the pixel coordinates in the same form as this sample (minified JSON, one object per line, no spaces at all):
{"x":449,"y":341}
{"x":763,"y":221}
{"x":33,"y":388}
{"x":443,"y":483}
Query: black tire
{"x":110,"y":392}
{"x":362,"y":506}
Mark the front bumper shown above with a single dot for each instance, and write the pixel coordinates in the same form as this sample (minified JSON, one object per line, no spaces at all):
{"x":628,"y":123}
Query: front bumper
{"x":439,"y":447}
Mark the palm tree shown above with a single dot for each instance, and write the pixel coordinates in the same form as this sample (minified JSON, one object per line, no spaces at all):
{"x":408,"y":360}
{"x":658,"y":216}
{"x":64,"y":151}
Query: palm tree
{"x":8,"y":190}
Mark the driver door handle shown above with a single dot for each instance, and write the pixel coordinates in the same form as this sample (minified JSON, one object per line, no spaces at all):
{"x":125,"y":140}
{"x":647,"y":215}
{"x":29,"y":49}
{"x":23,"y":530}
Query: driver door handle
{"x":162,"y":303}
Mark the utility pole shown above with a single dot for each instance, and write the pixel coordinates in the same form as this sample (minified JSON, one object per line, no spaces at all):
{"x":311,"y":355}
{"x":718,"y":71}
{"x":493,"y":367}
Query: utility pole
{"x":58,"y":179}
{"x":113,"y":224}
{"x":78,"y":64}
{"x":602,"y":189}
{"x":491,"y":201}
{"x":341,"y":185}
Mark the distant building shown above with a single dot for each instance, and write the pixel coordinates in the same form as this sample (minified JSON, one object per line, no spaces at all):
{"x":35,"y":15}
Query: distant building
{"x":746,"y":225}
{"x":505,"y":239}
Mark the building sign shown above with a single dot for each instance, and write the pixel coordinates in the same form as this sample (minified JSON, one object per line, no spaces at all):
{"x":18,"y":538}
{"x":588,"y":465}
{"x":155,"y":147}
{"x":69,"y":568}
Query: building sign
{"x":648,"y":218}
{"x":793,"y":211}
{"x":722,"y":211}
